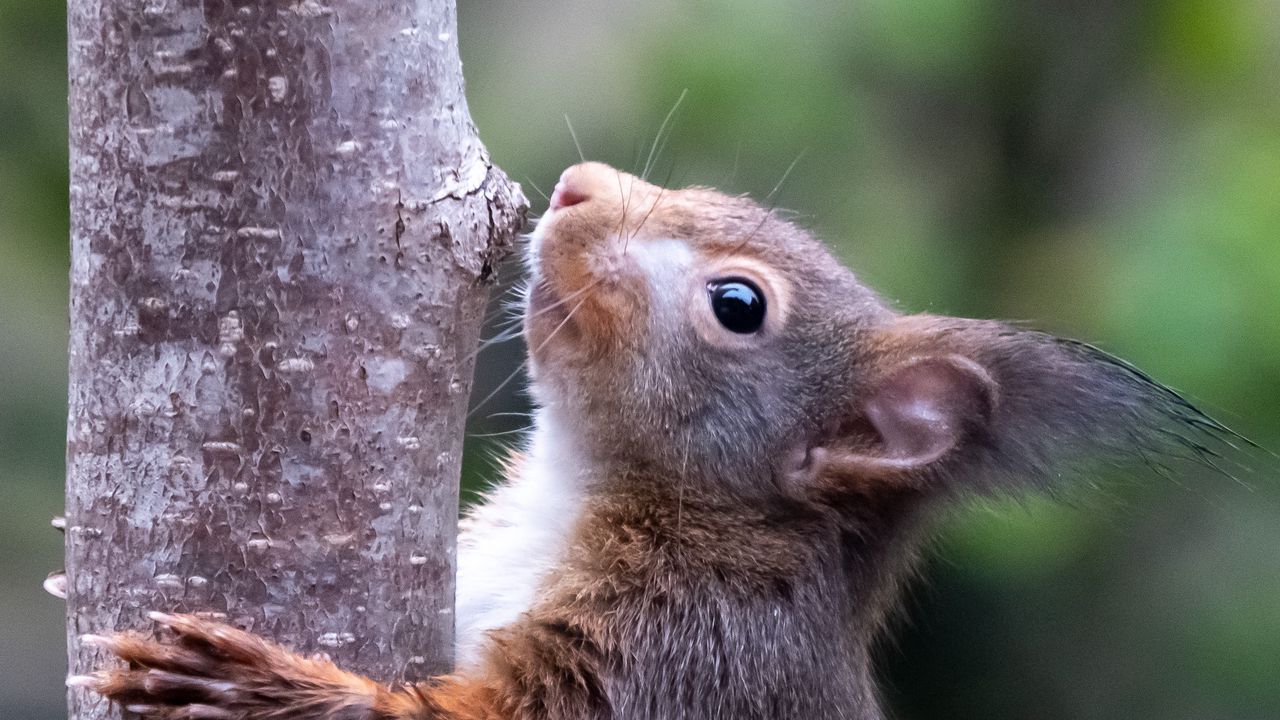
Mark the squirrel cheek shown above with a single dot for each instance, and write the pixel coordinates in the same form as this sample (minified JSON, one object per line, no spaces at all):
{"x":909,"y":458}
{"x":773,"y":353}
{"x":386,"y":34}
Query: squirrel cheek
{"x":617,"y":319}
{"x":595,"y":321}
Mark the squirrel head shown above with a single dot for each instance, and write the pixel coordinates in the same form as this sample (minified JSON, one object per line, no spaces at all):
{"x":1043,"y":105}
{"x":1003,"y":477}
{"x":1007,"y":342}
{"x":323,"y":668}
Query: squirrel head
{"x":701,"y":337}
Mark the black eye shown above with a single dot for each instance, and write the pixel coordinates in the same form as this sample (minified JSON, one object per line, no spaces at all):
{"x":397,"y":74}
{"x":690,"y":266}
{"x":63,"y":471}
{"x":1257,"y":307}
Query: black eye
{"x":738,"y":304}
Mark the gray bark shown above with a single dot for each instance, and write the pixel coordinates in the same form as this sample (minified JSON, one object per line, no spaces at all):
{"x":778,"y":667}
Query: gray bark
{"x":282,"y":225}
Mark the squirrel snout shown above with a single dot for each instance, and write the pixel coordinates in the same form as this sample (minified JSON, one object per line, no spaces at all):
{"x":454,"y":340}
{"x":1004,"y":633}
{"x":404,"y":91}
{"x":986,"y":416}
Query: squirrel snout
{"x":585,"y":181}
{"x":578,"y":183}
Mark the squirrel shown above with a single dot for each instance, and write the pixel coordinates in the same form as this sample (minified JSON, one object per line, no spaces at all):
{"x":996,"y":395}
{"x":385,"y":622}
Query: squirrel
{"x":737,"y":448}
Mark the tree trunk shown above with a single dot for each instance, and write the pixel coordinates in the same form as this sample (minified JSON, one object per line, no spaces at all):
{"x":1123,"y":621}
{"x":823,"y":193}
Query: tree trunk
{"x":282,"y":225}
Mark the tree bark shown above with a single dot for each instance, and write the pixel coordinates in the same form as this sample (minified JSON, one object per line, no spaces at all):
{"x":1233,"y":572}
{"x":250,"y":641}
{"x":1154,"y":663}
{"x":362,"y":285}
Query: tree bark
{"x":282,"y":226}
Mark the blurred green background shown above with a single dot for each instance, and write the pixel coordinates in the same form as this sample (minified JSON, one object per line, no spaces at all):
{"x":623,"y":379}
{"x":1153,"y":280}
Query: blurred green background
{"x":1108,"y":170}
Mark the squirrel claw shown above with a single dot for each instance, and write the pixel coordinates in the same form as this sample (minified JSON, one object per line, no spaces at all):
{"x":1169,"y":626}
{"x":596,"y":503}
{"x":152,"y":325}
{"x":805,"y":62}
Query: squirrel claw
{"x":164,"y":619}
{"x":78,"y":681}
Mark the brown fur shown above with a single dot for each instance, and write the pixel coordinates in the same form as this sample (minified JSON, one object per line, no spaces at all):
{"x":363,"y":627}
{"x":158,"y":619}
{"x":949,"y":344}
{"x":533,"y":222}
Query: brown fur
{"x":753,"y":500}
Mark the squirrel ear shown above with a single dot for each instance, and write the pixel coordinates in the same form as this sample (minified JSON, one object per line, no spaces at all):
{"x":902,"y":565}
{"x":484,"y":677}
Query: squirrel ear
{"x":990,"y":407}
{"x":916,"y":414}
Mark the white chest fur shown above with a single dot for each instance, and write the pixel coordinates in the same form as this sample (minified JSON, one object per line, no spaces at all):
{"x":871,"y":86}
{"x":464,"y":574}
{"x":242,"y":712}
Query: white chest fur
{"x":507,"y":544}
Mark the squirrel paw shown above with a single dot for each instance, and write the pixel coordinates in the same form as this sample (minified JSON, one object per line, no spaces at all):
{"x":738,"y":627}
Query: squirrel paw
{"x":212,"y":671}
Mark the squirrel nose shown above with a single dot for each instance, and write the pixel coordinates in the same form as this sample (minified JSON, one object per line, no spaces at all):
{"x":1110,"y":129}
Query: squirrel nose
{"x":580,"y":182}
{"x":565,"y":195}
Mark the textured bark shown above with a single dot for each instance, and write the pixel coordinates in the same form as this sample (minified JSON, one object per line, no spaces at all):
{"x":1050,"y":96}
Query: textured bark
{"x":282,"y":225}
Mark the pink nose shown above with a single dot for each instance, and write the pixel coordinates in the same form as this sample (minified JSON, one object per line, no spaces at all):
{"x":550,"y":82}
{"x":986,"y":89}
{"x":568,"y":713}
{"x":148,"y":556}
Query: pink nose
{"x":570,"y":190}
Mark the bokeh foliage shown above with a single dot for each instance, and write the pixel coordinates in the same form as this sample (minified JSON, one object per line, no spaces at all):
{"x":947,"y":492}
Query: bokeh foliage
{"x":1107,"y":170}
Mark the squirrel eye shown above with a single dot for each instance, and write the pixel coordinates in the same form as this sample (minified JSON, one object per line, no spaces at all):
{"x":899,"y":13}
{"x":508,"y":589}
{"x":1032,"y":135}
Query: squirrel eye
{"x":738,"y":304}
